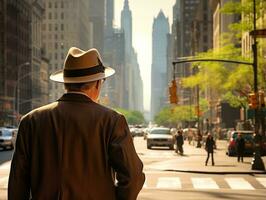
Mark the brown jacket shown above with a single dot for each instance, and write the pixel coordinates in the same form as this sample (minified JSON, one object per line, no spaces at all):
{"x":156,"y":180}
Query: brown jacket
{"x":69,"y":150}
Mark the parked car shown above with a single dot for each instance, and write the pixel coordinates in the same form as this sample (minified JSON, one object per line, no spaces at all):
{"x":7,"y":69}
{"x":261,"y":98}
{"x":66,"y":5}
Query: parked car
{"x":160,"y":137}
{"x":7,"y":137}
{"x":249,"y":143}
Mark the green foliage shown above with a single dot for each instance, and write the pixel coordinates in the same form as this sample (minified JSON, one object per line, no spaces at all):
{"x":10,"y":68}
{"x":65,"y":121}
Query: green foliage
{"x":235,"y":101}
{"x":132,"y":117}
{"x":175,"y":114}
{"x":232,"y":82}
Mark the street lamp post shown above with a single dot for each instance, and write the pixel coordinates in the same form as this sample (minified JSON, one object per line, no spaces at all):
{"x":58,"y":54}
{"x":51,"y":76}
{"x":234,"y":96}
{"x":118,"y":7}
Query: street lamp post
{"x":17,"y":89}
{"x":257,"y":163}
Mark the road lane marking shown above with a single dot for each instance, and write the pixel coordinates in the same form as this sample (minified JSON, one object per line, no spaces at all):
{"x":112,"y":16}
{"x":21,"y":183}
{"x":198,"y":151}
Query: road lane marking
{"x":262,"y":181}
{"x":169,"y":182}
{"x":239,"y":184}
{"x":204,"y":183}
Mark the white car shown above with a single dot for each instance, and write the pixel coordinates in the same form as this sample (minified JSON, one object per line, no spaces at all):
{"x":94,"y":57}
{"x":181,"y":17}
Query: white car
{"x":7,"y":137}
{"x":160,"y":137}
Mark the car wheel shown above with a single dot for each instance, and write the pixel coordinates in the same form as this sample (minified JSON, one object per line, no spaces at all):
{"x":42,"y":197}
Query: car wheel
{"x":171,"y":147}
{"x":148,"y":146}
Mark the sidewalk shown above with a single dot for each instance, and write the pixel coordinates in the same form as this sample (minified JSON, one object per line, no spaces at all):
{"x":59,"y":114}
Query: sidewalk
{"x":193,"y":161}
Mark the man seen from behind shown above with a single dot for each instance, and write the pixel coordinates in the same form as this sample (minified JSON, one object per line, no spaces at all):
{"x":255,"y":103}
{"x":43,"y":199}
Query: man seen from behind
{"x":76,"y":148}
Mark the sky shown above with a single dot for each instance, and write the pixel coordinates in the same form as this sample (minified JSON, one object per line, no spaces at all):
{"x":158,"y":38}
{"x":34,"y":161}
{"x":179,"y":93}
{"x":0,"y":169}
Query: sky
{"x":143,"y":13}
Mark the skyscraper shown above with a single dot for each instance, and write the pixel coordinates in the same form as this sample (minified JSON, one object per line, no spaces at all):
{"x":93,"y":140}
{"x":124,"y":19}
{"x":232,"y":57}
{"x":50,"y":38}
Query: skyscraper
{"x":97,"y":18}
{"x":66,"y":24}
{"x":15,"y":58}
{"x":126,"y":26}
{"x":159,"y":95}
{"x":133,"y":79}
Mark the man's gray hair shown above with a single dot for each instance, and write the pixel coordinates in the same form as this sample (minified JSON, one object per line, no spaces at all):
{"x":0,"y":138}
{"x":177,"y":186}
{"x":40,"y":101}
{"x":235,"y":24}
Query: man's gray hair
{"x":79,"y":86}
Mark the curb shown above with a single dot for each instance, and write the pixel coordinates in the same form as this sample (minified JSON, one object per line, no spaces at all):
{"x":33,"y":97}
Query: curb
{"x":212,"y":172}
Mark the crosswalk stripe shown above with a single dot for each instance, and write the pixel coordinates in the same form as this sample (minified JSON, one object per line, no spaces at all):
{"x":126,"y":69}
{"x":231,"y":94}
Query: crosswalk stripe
{"x":204,"y":183}
{"x":239,"y":184}
{"x":262,"y":181}
{"x":169,"y":182}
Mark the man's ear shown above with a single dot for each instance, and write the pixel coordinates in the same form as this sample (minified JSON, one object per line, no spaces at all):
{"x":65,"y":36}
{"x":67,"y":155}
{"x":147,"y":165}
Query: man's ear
{"x":98,"y":84}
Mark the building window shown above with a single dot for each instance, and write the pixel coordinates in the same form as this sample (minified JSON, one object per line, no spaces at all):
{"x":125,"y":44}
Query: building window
{"x":62,"y":15}
{"x":62,"y":4}
{"x":55,"y":15}
{"x":55,"y":4}
{"x":50,"y":15}
{"x":55,"y":27}
{"x":205,"y":16}
{"x":205,"y":39}
{"x":50,"y":27}
{"x":43,"y":27}
{"x":55,"y":45}
{"x":62,"y":36}
{"x":62,"y":27}
{"x":50,"y":4}
{"x":55,"y":56}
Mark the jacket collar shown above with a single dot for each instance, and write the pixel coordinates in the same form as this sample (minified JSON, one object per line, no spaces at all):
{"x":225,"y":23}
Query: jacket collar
{"x":76,"y":97}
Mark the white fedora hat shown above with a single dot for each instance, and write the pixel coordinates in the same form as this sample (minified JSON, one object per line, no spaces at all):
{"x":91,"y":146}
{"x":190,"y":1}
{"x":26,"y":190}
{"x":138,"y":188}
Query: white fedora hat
{"x":81,"y":67}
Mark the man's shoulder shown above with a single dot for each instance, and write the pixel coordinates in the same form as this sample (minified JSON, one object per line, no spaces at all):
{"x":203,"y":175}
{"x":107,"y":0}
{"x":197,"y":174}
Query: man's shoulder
{"x":39,"y":110}
{"x":108,"y":111}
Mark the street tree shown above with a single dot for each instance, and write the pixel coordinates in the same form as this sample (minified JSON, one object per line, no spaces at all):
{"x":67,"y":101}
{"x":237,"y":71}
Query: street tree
{"x":231,"y":82}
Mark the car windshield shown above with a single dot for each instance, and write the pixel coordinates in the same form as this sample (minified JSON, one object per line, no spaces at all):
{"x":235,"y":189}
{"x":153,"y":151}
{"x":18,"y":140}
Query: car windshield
{"x":4,"y":132}
{"x":161,"y":132}
{"x":246,"y":136}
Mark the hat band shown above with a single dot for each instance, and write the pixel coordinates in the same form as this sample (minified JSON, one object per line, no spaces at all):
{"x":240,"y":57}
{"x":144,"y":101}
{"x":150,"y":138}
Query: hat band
{"x":84,"y":72}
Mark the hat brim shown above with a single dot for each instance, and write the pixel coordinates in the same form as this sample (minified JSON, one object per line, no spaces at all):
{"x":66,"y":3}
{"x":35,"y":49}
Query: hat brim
{"x":58,"y":76}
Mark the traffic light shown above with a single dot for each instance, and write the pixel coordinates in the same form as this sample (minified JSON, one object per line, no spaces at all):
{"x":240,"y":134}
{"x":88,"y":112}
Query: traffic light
{"x":261,"y":99}
{"x":252,"y":101}
{"x":172,"y":93}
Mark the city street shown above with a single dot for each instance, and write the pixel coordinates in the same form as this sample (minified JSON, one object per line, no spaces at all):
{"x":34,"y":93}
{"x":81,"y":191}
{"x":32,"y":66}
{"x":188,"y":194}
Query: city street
{"x":171,"y":176}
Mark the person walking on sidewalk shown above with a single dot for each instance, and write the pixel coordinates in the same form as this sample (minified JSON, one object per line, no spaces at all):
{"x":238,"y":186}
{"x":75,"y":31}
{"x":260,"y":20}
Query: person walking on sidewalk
{"x":179,"y":142}
{"x":240,"y":147}
{"x":75,"y":148}
{"x":209,"y":146}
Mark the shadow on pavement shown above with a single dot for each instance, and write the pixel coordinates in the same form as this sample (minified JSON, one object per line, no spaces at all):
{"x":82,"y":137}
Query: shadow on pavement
{"x":225,"y":165}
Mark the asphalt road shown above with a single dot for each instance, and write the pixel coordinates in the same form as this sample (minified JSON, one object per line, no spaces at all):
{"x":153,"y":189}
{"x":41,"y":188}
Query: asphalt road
{"x":162,"y":184}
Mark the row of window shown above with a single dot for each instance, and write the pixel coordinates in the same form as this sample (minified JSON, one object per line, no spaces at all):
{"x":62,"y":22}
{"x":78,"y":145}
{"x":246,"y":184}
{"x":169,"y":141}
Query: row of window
{"x":56,"y":37}
{"x":50,"y":27}
{"x":62,"y":15}
{"x":56,"y":4}
{"x":56,"y":56}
